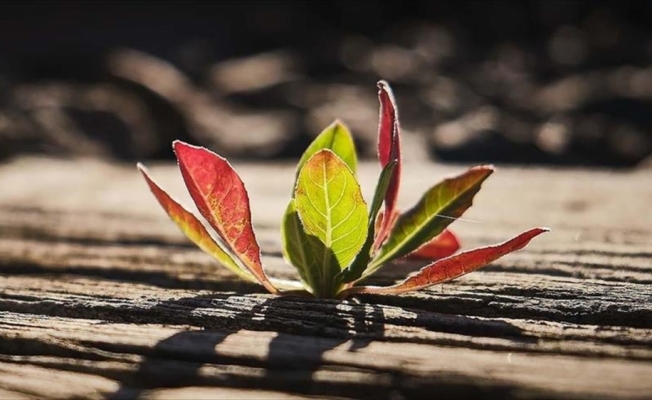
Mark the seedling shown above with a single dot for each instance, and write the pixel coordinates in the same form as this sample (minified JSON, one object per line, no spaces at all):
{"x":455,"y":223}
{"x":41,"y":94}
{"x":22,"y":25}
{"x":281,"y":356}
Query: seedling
{"x":328,"y":233}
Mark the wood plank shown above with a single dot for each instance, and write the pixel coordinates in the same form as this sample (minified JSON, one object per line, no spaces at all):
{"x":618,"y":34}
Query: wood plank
{"x":101,"y":296}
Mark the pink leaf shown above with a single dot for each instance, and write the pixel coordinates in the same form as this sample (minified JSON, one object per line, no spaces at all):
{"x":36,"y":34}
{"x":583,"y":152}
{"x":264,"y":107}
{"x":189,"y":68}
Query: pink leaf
{"x":451,"y":267}
{"x":222,"y":199}
{"x":389,"y":149}
{"x":442,"y":245}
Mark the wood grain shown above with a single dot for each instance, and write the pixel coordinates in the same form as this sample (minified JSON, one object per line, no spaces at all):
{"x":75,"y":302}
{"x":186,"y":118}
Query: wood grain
{"x":102,"y":297}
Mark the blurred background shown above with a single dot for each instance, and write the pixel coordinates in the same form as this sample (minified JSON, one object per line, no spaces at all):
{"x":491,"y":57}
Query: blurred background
{"x":546,"y":82}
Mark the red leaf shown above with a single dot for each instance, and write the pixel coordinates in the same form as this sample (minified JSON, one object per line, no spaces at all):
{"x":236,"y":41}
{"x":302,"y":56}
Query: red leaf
{"x":191,"y":227}
{"x":442,"y":245}
{"x":381,"y":217}
{"x":389,"y":149}
{"x":222,"y":199}
{"x":451,"y":267}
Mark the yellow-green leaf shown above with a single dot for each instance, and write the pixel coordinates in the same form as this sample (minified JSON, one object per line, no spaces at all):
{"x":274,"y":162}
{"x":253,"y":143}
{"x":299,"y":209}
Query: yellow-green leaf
{"x":333,"y":214}
{"x":359,"y":264}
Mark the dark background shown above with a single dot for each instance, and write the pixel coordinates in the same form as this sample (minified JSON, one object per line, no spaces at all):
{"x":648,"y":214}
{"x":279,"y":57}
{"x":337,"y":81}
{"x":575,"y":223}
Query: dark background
{"x":565,"y":83}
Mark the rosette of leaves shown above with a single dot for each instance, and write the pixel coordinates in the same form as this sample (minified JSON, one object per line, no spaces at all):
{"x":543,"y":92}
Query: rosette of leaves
{"x":329,"y":233}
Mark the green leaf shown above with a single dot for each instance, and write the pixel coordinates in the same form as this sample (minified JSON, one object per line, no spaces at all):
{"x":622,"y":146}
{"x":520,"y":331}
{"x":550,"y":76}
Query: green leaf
{"x":438,"y":207}
{"x":296,"y":246}
{"x":333,"y":213}
{"x":359,"y":264}
{"x":337,"y":138}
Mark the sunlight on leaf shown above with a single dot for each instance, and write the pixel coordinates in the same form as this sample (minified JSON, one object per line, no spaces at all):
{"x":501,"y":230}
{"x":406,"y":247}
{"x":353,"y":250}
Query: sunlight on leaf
{"x":337,"y":138}
{"x":359,"y":264}
{"x":327,"y":233}
{"x":389,"y":149}
{"x":451,"y":267}
{"x":222,"y":199}
{"x":438,"y":207}
{"x":192,"y":228}
{"x":442,"y":245}
{"x":333,"y":212}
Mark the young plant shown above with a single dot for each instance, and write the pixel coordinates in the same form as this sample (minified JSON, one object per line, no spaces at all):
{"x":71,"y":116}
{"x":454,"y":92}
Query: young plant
{"x":328,"y":233}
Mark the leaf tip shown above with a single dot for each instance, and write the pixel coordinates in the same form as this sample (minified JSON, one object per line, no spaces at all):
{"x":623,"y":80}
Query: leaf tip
{"x":386,"y":94}
{"x":527,"y":236}
{"x":180,"y":146}
{"x":143,"y":171}
{"x":340,"y":128}
{"x":185,"y":152}
{"x":338,"y":123}
{"x":383,"y":85}
{"x":531,"y":234}
{"x":486,"y":168}
{"x":385,"y":89}
{"x":185,"y":148}
{"x":323,"y":153}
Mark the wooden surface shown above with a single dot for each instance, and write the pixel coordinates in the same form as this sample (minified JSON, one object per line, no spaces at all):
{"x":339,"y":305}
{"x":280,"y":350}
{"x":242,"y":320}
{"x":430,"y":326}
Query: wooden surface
{"x":102,"y":297}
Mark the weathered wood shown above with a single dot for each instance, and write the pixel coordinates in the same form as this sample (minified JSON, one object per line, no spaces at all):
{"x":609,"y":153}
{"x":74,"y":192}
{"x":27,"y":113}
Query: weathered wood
{"x":101,"y":296}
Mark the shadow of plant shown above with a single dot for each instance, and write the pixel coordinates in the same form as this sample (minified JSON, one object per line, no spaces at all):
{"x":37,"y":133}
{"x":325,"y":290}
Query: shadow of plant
{"x":289,"y":364}
{"x":301,"y":330}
